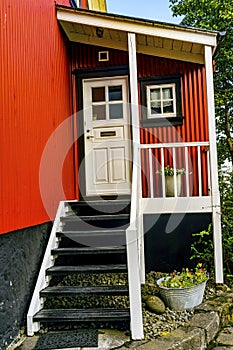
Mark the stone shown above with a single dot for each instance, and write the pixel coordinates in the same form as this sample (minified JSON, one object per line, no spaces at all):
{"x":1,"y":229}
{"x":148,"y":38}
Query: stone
{"x":225,"y":337}
{"x":217,"y":304}
{"x":208,"y":321}
{"x":110,"y":339}
{"x":29,"y":343}
{"x":222,"y":287}
{"x":180,"y":339}
{"x":155,"y":304}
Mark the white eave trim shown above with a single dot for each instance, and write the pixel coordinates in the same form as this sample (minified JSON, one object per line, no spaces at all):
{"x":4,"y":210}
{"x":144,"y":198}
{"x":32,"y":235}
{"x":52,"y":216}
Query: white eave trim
{"x":138,"y":27}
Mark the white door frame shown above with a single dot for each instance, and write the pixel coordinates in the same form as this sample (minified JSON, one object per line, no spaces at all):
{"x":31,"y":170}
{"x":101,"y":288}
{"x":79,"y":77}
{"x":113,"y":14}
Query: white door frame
{"x":107,"y":141}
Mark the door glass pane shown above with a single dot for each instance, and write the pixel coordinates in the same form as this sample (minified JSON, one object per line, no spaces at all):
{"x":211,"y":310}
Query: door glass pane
{"x":156,"y":107}
{"x":99,"y":112}
{"x":155,"y":94}
{"x":168,"y":107}
{"x":115,"y":93}
{"x":98,"y":94}
{"x":116,"y":111}
{"x":167,"y":94}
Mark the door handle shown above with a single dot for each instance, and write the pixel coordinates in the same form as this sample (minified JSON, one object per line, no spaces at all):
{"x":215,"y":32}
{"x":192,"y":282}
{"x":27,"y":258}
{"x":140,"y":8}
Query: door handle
{"x":90,"y":137}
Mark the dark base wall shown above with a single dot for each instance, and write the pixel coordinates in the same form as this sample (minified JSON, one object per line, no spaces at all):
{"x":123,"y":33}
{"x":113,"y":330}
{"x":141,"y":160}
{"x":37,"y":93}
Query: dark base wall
{"x":20,"y":257}
{"x":168,"y":239}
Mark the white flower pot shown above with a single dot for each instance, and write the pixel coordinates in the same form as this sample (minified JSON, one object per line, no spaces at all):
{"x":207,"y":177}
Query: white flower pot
{"x":169,"y":185}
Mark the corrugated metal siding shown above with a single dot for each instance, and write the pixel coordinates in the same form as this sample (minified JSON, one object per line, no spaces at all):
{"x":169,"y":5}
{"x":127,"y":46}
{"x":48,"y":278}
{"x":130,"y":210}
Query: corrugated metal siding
{"x":194,"y":109}
{"x":193,"y":99}
{"x":86,"y":56}
{"x":34,"y":100}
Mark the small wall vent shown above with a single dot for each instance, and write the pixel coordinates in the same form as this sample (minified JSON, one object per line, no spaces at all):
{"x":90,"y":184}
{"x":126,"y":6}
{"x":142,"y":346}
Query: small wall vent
{"x":103,"y":56}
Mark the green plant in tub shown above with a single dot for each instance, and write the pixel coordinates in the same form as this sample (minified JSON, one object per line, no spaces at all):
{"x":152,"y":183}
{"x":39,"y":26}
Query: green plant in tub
{"x":187,"y":278}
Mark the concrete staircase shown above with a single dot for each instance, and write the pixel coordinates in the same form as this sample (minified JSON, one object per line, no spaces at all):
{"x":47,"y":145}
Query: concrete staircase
{"x":90,"y":239}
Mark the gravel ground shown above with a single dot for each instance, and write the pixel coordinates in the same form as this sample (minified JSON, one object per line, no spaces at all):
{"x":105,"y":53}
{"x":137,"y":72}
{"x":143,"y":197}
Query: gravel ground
{"x":154,"y":325}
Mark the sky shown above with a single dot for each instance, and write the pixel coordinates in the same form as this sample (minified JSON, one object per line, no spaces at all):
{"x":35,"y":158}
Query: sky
{"x":157,"y":10}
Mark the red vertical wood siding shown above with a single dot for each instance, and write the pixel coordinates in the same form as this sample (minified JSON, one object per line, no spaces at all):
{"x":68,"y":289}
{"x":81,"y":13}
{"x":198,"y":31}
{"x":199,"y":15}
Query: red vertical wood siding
{"x":35,"y":97}
{"x":195,"y":125}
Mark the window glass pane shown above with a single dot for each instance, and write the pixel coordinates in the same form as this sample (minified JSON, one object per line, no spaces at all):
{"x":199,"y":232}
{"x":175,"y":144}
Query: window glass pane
{"x":167,"y":94}
{"x":99,"y":112}
{"x":116,"y":111}
{"x":98,"y":94}
{"x":115,"y":93}
{"x":168,"y":107}
{"x":155,"y":94}
{"x":156,"y":107}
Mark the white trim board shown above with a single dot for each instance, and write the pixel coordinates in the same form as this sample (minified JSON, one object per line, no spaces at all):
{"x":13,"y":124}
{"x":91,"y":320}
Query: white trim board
{"x":176,"y":205}
{"x":132,"y":25}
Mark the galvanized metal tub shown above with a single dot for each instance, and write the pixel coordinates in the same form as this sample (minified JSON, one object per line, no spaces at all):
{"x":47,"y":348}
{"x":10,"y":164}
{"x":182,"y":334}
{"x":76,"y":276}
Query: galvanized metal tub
{"x":182,"y":298}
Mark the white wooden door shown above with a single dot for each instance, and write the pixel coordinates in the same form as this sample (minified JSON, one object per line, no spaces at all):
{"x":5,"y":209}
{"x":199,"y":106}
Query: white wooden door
{"x":107,"y":136}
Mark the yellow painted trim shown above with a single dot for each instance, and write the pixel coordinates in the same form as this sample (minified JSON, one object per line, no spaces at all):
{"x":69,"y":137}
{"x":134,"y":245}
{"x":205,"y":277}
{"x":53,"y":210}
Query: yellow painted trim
{"x":97,"y":5}
{"x":122,"y":45}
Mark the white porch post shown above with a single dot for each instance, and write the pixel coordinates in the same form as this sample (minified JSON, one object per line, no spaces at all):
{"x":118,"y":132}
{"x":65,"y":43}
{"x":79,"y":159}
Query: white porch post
{"x":216,"y":217}
{"x":134,"y":87}
{"x":136,"y":139}
{"x":133,"y":242}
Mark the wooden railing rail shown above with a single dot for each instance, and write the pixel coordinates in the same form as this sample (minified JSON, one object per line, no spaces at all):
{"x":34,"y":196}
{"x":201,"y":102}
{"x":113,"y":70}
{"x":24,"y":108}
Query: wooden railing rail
{"x":193,"y":157}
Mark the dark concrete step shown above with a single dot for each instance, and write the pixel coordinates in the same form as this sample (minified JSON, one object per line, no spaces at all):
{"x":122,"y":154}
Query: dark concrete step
{"x":94,"y":238}
{"x":66,"y":270}
{"x":97,"y":206}
{"x":88,"y":251}
{"x":75,"y":218}
{"x":82,"y":315}
{"x":92,"y":232}
{"x":74,"y":291}
{"x":88,"y":223}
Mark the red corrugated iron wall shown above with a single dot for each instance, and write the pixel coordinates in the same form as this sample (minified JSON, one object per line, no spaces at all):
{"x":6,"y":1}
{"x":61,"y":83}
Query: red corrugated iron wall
{"x":194,"y":108}
{"x":195,"y":125}
{"x":35,"y":97}
{"x":86,"y":56}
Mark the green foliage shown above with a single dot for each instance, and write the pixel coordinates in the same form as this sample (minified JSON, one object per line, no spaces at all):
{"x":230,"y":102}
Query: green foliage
{"x":226,"y":190}
{"x":185,"y":279}
{"x":169,"y":171}
{"x":203,"y":248}
{"x":216,"y":15}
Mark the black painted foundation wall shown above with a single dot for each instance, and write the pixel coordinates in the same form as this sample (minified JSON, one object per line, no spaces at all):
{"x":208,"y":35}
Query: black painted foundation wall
{"x":167,"y":247}
{"x":168,"y":239}
{"x":20,"y":258}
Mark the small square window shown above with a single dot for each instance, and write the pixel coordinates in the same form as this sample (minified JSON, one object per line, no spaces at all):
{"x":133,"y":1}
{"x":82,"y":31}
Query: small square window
{"x":161,"y":101}
{"x":116,"y":111}
{"x":98,"y":94}
{"x":115,"y":93}
{"x":99,"y":112}
{"x":103,"y":56}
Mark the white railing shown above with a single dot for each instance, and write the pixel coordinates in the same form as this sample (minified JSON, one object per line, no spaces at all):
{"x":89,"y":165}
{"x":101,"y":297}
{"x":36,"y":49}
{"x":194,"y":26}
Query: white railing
{"x":42,"y":280}
{"x":193,"y":157}
{"x":134,"y":238}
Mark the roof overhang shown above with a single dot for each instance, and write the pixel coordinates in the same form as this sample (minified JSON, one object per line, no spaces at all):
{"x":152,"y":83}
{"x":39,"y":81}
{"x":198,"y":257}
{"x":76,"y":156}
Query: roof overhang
{"x":152,"y":38}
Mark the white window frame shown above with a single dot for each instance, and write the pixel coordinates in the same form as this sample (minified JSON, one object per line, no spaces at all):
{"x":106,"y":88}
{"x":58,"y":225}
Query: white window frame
{"x":148,"y":99}
{"x":106,"y":83}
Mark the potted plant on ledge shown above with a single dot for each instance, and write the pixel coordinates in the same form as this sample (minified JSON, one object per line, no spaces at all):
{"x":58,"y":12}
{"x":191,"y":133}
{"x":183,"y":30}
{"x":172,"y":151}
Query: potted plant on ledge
{"x":183,"y":290}
{"x":169,"y":173}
